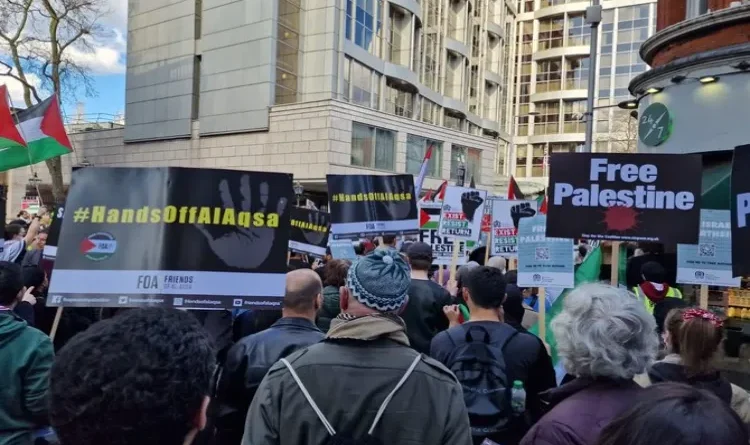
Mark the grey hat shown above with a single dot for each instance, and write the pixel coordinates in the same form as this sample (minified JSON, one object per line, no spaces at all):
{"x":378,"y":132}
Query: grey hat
{"x":380,"y":280}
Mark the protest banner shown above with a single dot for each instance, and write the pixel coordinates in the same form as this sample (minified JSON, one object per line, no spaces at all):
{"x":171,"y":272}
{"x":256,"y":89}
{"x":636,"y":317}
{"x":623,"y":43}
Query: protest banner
{"x":740,"y":201}
{"x":710,"y":261}
{"x":343,"y":250}
{"x":625,"y":197}
{"x":543,"y":261}
{"x":182,"y":237}
{"x":309,"y":232}
{"x":506,"y":216}
{"x":372,"y":205}
{"x":461,"y":214}
{"x":442,"y":246}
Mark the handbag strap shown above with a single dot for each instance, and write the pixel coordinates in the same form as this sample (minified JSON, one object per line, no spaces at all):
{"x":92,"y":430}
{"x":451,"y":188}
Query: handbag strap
{"x":381,"y":410}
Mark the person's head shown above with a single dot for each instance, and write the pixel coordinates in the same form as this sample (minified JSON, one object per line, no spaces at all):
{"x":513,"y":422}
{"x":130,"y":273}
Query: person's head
{"x":676,"y":414}
{"x":378,"y":282}
{"x":36,"y":277}
{"x":484,"y":288}
{"x":41,"y":239}
{"x":513,"y":304}
{"x":497,"y":262}
{"x":653,"y":272}
{"x":143,"y":377}
{"x":329,"y":255}
{"x":359,"y":248}
{"x":420,"y":256}
{"x":695,"y":334}
{"x":463,"y":272}
{"x":23,"y":214}
{"x":302,"y":296}
{"x":336,"y":271}
{"x":14,"y":232}
{"x":604,"y":331}
{"x":11,"y":284}
{"x":511,"y":276}
{"x":389,"y":240}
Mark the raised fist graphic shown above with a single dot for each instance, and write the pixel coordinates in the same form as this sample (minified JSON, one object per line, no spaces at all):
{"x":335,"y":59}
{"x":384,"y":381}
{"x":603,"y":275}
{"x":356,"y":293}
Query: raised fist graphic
{"x":470,"y":202}
{"x":519,"y":211}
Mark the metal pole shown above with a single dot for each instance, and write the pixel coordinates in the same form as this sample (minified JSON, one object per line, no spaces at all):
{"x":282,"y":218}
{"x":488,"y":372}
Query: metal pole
{"x":593,"y":18}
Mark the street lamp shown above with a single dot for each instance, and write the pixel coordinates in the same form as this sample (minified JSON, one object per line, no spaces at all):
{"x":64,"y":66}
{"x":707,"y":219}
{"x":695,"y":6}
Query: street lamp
{"x":34,"y":180}
{"x":461,"y":174}
{"x":298,"y":191}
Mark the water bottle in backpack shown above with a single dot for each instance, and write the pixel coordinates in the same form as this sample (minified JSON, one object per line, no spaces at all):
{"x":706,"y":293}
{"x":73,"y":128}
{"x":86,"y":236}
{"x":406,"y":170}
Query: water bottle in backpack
{"x":518,"y":398}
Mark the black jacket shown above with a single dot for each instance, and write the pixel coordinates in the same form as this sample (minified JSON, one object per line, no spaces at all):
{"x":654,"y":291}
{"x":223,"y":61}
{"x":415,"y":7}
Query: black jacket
{"x":247,"y":363}
{"x":664,"y":371}
{"x":424,"y":316}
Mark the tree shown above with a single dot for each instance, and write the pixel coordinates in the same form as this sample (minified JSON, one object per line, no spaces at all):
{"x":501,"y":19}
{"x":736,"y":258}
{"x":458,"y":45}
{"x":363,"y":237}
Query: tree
{"x":41,"y":42}
{"x":623,"y":133}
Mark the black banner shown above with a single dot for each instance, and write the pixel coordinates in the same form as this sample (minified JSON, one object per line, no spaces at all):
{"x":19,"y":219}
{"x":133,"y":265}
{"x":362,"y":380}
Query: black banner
{"x":372,"y":205}
{"x":740,"y":197}
{"x":182,"y":237}
{"x":625,"y":197}
{"x":309,"y":232}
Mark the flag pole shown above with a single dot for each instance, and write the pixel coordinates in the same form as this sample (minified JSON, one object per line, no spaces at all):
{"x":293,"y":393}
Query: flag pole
{"x":28,"y":152}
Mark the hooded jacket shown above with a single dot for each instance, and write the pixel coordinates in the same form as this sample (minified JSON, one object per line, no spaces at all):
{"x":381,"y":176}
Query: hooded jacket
{"x":330,"y":308}
{"x":670,"y":369}
{"x":26,"y":356}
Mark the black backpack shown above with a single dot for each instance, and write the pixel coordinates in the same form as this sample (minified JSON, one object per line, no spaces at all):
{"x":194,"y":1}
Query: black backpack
{"x":341,"y":439}
{"x":480,"y":368}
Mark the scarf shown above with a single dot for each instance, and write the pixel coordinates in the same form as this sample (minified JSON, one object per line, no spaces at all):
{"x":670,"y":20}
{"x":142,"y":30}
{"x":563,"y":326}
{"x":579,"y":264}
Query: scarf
{"x":368,"y":328}
{"x":654,"y":291}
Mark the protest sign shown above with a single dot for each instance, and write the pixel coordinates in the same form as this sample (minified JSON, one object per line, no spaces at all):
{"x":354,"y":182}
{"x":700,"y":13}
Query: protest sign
{"x":740,"y":197}
{"x":462,"y":211}
{"x":506,"y":216}
{"x":442,"y":246}
{"x":309,"y":232}
{"x":625,"y":197}
{"x":343,"y":250}
{"x":542,"y":260}
{"x":372,"y":205}
{"x":182,"y":237}
{"x":710,"y":261}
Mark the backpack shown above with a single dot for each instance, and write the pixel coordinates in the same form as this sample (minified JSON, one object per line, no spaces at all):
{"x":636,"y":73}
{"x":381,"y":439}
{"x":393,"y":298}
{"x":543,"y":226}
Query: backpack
{"x":481,"y":370}
{"x":340,"y":439}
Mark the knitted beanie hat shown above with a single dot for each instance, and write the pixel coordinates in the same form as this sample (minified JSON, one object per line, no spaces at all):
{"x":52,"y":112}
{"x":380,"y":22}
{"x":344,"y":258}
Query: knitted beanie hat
{"x":380,"y":280}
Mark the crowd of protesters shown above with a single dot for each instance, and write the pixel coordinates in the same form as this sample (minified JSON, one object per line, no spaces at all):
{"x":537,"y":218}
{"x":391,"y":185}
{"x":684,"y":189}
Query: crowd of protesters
{"x":379,"y":350}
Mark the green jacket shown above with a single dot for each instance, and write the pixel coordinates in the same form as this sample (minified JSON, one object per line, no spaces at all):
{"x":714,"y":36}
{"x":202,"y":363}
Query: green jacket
{"x":349,"y":380}
{"x":330,"y":309}
{"x":26,"y":356}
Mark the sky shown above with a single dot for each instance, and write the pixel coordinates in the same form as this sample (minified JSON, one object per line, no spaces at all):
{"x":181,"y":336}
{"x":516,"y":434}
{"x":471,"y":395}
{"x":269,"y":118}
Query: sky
{"x":106,"y":64}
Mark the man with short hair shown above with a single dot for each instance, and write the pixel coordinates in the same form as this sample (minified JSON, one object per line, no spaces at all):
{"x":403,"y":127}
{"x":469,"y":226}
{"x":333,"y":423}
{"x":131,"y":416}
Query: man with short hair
{"x":498,"y":263}
{"x":26,"y":356}
{"x":389,"y":242}
{"x":519,"y":356}
{"x":34,"y":256}
{"x":140,"y":378}
{"x":424,"y":315}
{"x":364,"y":366}
{"x":249,"y":360}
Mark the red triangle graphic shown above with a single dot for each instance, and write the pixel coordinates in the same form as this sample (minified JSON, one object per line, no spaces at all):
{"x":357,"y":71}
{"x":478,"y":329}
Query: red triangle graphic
{"x":424,"y":218}
{"x":87,"y":245}
{"x":52,"y":124}
{"x":8,"y":128}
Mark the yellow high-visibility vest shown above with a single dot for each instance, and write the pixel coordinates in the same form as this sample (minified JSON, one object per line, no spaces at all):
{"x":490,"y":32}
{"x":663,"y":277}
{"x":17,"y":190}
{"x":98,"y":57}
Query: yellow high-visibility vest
{"x":673,"y":292}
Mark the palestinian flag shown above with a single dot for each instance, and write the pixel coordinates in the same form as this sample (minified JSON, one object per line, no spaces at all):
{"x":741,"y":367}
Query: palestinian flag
{"x":439,"y":193}
{"x":514,"y":191}
{"x":429,"y":216}
{"x":38,"y":135}
{"x":542,"y":204}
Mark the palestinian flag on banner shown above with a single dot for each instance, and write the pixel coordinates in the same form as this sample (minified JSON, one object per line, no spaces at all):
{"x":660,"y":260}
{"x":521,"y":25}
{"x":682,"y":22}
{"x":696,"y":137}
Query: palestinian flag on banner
{"x":38,"y":134}
{"x":587,"y":272}
{"x":514,"y":191}
{"x":429,"y":216}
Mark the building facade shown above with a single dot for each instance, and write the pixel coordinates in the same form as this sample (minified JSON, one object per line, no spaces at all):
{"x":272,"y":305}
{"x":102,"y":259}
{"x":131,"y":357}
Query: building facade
{"x":700,"y":83}
{"x":552,"y":49}
{"x":315,"y":87}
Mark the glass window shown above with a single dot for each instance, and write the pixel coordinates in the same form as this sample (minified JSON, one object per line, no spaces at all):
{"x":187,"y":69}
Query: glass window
{"x":429,"y":112}
{"x":563,"y":147}
{"x":286,"y":87}
{"x":376,"y":87}
{"x":361,"y":79}
{"x":549,"y":76}
{"x":368,"y":25}
{"x":574,"y":118}
{"x":451,"y":121}
{"x":471,"y":158}
{"x":577,"y":73}
{"x":416,"y":148}
{"x":548,"y":119}
{"x":551,"y":33}
{"x":578,"y":32}
{"x":430,"y":65}
{"x":373,"y":147}
{"x":347,"y":74}
{"x":521,"y":158}
{"x":399,"y":102}
{"x":398,"y":37}
{"x":538,"y":160}
{"x":349,"y":18}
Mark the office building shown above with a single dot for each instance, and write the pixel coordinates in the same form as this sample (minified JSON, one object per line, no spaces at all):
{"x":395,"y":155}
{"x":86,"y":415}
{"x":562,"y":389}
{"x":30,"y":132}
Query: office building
{"x":552,"y":74}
